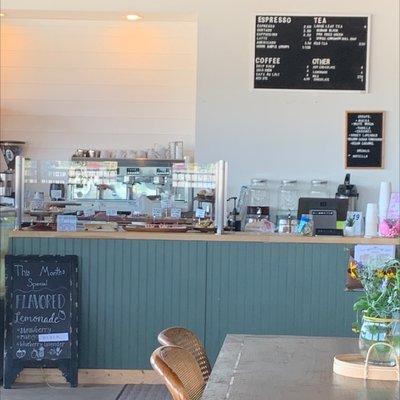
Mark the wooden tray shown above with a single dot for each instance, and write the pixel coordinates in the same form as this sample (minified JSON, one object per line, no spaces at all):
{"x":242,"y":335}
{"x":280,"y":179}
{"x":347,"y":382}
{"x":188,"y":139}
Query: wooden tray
{"x":175,"y":229}
{"x":101,"y":226}
{"x":205,"y":229}
{"x":43,"y":213}
{"x":62,"y":203}
{"x":355,"y":366}
{"x":41,"y":226}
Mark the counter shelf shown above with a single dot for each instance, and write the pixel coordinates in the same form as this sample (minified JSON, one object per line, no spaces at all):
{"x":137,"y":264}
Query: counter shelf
{"x":199,"y":236}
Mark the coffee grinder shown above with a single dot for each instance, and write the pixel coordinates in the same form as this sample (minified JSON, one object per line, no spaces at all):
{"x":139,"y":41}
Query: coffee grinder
{"x":10,"y":149}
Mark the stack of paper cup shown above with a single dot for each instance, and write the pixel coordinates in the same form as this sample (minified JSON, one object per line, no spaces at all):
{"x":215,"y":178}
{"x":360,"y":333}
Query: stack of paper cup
{"x":384,"y":199}
{"x":371,"y":220}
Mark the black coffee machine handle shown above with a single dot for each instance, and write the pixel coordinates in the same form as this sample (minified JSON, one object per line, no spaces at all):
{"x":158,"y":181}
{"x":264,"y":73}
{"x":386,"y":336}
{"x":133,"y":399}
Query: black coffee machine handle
{"x":235,"y":224}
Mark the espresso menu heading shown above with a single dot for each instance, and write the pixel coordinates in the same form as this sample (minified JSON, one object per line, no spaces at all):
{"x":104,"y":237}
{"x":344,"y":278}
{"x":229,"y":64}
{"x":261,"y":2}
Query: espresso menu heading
{"x":311,"y":52}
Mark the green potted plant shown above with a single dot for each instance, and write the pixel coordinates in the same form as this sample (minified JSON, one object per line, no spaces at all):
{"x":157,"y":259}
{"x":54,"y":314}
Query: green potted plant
{"x":350,"y":227}
{"x":379,"y":308}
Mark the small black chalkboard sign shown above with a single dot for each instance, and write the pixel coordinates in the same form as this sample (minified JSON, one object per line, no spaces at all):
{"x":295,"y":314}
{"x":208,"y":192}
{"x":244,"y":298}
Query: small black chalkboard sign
{"x":41,"y":315}
{"x":364,"y":139}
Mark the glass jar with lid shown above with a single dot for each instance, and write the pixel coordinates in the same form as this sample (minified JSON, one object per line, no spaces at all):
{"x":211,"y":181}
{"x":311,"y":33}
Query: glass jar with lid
{"x":319,"y":188}
{"x":288,"y":196}
{"x":259,"y":193}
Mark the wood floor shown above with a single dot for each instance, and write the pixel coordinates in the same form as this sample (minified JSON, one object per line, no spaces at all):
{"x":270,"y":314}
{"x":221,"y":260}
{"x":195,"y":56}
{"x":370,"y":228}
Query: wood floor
{"x":85,"y":392}
{"x":144,"y":392}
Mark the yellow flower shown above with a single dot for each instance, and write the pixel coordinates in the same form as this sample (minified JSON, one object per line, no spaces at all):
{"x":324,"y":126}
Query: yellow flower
{"x":380,"y":273}
{"x":352,"y":270}
{"x":390,"y":275}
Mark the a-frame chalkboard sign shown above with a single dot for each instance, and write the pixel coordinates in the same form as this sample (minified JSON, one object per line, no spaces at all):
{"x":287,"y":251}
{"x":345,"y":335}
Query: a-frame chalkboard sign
{"x":41,"y":315}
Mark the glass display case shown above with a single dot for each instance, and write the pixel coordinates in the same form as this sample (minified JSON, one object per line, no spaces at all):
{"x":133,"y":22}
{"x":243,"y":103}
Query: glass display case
{"x":122,"y":185}
{"x":201,"y":180}
{"x":124,"y":191}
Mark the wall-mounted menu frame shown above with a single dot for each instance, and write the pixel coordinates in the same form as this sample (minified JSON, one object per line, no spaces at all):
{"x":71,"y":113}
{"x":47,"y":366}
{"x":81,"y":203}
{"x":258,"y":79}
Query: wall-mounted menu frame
{"x":41,"y":324}
{"x":364,"y":139}
{"x":299,"y":72}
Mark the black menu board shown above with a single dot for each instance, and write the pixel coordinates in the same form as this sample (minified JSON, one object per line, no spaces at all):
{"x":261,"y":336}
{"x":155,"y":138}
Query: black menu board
{"x":41,"y":315}
{"x":311,"y":52}
{"x":364,"y":139}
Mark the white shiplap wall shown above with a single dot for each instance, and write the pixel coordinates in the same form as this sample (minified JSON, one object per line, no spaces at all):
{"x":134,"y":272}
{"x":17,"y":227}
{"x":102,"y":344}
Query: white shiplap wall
{"x":97,"y":84}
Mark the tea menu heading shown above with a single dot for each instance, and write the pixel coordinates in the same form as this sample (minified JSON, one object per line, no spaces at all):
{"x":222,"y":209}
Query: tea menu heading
{"x":311,"y":52}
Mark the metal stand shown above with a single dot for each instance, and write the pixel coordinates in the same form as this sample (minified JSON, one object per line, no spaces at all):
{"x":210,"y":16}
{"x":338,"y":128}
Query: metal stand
{"x":220,"y":195}
{"x":19,"y":190}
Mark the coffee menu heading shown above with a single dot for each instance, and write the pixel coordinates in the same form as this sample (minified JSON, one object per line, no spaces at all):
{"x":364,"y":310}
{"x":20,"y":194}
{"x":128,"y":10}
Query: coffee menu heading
{"x":310,"y":52}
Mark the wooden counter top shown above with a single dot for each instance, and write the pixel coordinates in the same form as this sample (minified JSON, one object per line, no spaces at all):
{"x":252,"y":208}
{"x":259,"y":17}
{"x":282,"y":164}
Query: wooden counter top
{"x":228,"y":237}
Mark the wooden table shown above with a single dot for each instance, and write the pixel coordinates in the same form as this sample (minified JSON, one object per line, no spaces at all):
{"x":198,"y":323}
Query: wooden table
{"x":253,"y":367}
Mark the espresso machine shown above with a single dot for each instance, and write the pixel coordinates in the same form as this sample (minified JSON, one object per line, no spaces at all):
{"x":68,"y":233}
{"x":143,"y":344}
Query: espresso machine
{"x":119,"y":184}
{"x":10,"y":149}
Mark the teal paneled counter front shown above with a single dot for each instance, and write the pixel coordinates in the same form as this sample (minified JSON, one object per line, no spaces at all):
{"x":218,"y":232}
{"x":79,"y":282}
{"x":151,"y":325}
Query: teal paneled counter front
{"x":134,"y":285}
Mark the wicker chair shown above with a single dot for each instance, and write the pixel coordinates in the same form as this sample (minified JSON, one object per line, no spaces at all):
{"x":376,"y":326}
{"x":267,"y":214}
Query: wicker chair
{"x":186,"y":339}
{"x":180,"y":372}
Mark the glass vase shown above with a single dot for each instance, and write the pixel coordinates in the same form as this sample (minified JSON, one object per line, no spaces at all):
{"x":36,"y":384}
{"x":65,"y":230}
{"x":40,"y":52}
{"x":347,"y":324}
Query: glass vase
{"x":380,"y":330}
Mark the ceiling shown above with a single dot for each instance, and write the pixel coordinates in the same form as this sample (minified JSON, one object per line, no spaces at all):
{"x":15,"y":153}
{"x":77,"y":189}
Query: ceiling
{"x":94,"y":15}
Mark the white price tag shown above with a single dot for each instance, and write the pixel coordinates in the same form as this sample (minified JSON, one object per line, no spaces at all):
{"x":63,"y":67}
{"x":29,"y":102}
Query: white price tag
{"x":166,"y":204}
{"x":56,"y":194}
{"x":111,"y":212}
{"x":157,"y":213}
{"x":176,"y":213}
{"x":66,"y":223}
{"x":88,"y":212}
{"x":53,"y":337}
{"x":200,"y":213}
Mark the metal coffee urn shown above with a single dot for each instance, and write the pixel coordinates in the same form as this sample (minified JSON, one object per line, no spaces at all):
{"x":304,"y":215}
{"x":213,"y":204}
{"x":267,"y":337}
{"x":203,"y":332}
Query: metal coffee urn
{"x":10,"y":150}
{"x":348,"y":191}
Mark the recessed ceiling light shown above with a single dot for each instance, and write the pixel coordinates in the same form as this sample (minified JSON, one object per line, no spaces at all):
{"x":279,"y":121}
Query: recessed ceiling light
{"x":1,"y":15}
{"x":133,"y":17}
